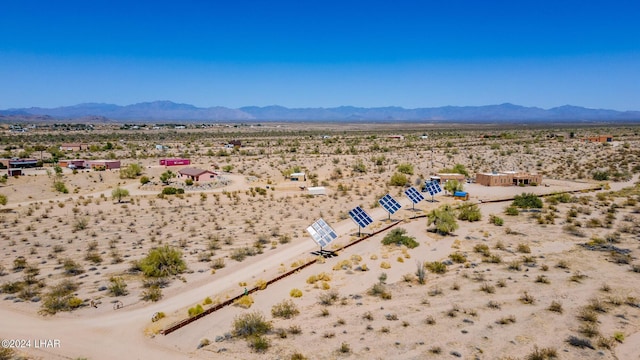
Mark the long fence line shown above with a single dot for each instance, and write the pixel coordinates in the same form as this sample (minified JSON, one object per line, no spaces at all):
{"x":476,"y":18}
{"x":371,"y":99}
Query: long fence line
{"x":177,"y":325}
{"x":182,"y":323}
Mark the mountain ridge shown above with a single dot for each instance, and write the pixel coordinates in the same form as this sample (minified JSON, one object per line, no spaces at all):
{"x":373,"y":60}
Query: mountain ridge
{"x":164,"y":110}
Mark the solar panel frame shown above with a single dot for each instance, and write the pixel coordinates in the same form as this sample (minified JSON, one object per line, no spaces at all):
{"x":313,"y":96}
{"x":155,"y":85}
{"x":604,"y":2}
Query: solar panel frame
{"x":322,"y":233}
{"x":390,"y":204}
{"x":414,"y":195}
{"x":433,"y":187}
{"x":360,"y":217}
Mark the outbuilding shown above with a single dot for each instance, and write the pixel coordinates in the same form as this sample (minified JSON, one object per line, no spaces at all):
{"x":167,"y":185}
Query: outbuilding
{"x":175,"y":162}
{"x":317,"y":190}
{"x":299,"y":176}
{"x":103,"y":164}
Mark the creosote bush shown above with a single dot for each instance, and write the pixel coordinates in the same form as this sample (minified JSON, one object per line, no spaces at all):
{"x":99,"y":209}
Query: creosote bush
{"x":163,"y":261}
{"x":398,"y":236}
{"x":285,"y":309}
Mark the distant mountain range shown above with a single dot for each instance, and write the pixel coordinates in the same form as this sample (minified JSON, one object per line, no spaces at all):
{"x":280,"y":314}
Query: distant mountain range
{"x":165,"y":111}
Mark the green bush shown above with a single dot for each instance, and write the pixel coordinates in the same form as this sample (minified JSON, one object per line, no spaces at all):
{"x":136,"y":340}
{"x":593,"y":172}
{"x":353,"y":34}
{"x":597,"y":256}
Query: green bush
{"x":469,"y":212}
{"x":512,"y":211}
{"x":527,"y":201}
{"x":285,"y":309}
{"x":188,"y":182}
{"x":3,"y":199}
{"x":144,"y":180}
{"x":405,"y":169}
{"x":131,"y":171}
{"x":248,"y":324}
{"x":398,"y":236}
{"x":495,"y":220}
{"x":398,"y":179}
{"x":169,"y":190}
{"x":436,"y":267}
{"x":196,"y":310}
{"x":153,"y":293}
{"x":163,"y":261}
{"x":443,"y":218}
{"x":117,"y":286}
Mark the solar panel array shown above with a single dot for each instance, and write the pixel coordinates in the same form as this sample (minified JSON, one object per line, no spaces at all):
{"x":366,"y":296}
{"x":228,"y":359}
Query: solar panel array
{"x":390,"y":204}
{"x":433,"y":187}
{"x":360,"y":217}
{"x":322,"y":233}
{"x":414,"y":195}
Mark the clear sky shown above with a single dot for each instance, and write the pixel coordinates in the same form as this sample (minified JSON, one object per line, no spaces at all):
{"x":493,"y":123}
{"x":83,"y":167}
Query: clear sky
{"x":321,"y":53}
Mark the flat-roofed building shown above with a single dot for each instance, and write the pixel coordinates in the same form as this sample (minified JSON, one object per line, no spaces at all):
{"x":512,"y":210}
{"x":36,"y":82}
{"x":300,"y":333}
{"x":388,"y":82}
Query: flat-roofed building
{"x":508,"y":178}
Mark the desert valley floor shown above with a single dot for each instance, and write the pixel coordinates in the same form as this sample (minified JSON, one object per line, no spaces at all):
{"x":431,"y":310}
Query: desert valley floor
{"x":556,"y":281}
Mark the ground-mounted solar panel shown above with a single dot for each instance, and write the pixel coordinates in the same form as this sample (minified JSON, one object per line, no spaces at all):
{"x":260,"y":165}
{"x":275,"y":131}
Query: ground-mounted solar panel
{"x":360,"y":217}
{"x":322,"y":233}
{"x":432,"y":187}
{"x":414,"y":195}
{"x":390,"y":204}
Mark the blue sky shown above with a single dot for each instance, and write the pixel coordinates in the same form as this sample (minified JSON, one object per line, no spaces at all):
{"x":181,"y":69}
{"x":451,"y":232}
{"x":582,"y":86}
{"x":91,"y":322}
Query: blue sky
{"x":321,"y":53}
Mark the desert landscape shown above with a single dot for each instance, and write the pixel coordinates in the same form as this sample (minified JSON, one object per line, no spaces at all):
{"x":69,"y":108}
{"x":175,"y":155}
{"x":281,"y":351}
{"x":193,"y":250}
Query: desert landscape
{"x":98,"y":264}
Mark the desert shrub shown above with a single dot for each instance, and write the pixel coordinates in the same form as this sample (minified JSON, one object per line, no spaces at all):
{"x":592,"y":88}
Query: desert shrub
{"x":163,"y":261}
{"x":60,"y":298}
{"x":207,"y":301}
{"x":3,"y":199}
{"x":259,"y":343}
{"x":496,"y":220}
{"x":542,"y":354}
{"x":398,"y":236}
{"x":527,"y":298}
{"x":493,"y":259}
{"x":385,"y":265}
{"x":60,"y":187}
{"x":248,"y":324}
{"x":469,"y":212}
{"x":458,"y":258}
{"x":444,"y":219}
{"x":329,"y":297}
{"x":285,"y":309}
{"x":12,"y":287}
{"x":527,"y":201}
{"x":217,"y":263}
{"x":244,"y":302}
{"x":421,"y":272}
{"x":523,"y":248}
{"x":144,"y":180}
{"x":511,"y":319}
{"x":131,"y":171}
{"x":296,"y":293}
{"x":436,"y":267}
{"x":398,"y":179}
{"x":511,"y":211}
{"x":380,"y":290}
{"x":488,"y":288}
{"x":555,"y":306}
{"x":117,"y":286}
{"x":482,"y":249}
{"x":405,"y":168}
{"x":152,"y":293}
{"x":196,"y":310}
{"x":344,"y":348}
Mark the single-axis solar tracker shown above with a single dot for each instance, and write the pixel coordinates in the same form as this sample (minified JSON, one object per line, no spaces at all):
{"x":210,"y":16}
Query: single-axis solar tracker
{"x":433,"y":188}
{"x":414,"y":195}
{"x":390,"y":204}
{"x":322,"y":233}
{"x":360,"y":217}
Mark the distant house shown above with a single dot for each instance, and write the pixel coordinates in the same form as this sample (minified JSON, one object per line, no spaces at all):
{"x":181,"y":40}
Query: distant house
{"x":103,"y":164}
{"x":300,"y":176}
{"x":195,"y":174}
{"x":73,"y":164}
{"x":161,"y":147}
{"x":17,"y":163}
{"x":599,"y":138}
{"x":508,"y":178}
{"x":74,"y":147}
{"x":444,"y":177}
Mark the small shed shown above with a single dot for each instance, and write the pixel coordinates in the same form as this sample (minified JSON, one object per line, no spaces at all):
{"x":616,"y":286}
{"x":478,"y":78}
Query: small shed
{"x":299,"y":176}
{"x":317,"y":190}
{"x":461,"y":195}
{"x":15,"y":172}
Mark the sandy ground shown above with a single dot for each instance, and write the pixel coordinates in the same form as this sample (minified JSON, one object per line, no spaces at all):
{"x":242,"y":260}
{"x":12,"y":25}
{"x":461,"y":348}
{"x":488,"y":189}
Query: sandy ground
{"x":464,"y":322}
